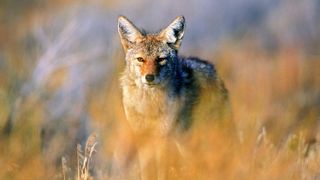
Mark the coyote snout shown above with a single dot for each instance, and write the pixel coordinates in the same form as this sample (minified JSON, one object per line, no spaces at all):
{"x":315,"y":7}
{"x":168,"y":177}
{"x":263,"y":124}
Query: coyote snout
{"x":152,"y":71}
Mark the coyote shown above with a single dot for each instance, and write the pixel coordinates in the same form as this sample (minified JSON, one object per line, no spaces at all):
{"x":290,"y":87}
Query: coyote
{"x":162,"y":92}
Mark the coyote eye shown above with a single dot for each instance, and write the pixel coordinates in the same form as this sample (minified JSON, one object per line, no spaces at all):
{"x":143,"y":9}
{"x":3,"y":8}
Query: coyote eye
{"x":162,"y":61}
{"x":140,"y":59}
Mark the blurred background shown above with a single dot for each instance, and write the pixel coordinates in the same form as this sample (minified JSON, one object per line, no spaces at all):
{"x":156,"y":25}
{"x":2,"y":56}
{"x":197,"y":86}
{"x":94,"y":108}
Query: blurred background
{"x":60,"y":63}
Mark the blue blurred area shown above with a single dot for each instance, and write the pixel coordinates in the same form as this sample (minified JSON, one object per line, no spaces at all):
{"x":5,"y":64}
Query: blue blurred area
{"x":208,"y":21}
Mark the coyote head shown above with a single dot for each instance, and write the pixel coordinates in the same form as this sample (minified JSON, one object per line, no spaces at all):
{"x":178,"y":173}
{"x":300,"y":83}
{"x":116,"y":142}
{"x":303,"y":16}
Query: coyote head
{"x":150,"y":58}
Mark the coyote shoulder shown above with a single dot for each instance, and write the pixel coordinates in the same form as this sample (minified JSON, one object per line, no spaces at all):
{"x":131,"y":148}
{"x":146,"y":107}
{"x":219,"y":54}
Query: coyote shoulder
{"x":163,"y":92}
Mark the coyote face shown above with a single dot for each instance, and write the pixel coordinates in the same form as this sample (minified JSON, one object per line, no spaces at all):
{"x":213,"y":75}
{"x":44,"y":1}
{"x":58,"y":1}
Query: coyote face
{"x":151,"y":58}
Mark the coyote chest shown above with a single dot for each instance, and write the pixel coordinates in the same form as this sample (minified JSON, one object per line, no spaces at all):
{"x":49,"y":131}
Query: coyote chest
{"x":150,"y":109}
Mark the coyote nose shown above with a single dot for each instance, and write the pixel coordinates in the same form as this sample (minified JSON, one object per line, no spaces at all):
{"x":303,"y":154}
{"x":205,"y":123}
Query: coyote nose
{"x":149,"y":77}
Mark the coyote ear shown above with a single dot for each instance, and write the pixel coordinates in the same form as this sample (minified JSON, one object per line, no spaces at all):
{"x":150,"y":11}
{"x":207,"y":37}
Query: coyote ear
{"x":173,"y":34}
{"x":128,"y":32}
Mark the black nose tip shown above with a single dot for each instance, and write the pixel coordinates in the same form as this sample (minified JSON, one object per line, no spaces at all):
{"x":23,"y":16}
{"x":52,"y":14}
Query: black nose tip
{"x":149,"y":77}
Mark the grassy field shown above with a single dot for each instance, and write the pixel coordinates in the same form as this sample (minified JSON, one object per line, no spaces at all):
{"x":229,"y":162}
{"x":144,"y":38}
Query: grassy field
{"x":48,"y":79}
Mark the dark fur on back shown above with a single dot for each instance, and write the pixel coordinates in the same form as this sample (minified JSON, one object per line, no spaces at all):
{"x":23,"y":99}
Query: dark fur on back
{"x":191,"y":76}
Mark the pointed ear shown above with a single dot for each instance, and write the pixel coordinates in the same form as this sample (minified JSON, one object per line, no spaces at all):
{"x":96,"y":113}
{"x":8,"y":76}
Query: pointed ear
{"x":173,"y":34}
{"x":128,"y":32}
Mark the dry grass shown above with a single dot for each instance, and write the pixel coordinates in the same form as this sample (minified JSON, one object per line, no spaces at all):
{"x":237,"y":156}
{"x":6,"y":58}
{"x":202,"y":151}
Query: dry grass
{"x":84,"y":161}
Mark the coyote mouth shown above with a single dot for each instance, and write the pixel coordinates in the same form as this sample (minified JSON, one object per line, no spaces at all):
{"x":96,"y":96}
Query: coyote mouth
{"x":151,"y":84}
